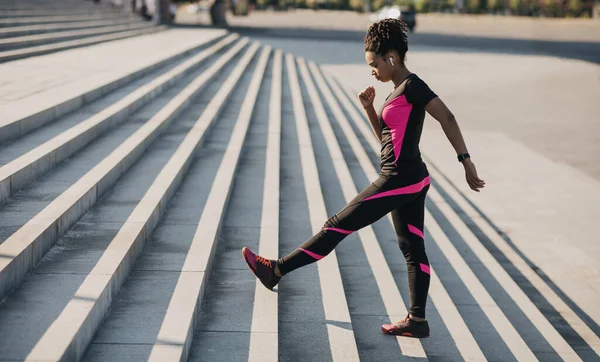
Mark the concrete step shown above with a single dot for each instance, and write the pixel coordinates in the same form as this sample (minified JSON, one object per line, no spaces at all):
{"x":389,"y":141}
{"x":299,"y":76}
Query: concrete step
{"x":130,"y":251}
{"x":67,"y":208}
{"x":30,"y":157}
{"x":39,"y":20}
{"x":162,"y":259}
{"x":27,"y":105}
{"x":67,"y":25}
{"x":24,"y":42}
{"x":130,"y":240}
{"x":155,"y":177}
{"x":57,"y":5}
{"x":48,"y":28}
{"x":65,"y":10}
{"x":71,"y":44}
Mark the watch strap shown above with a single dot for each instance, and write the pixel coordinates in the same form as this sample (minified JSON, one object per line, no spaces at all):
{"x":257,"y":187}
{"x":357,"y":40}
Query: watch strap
{"x":463,"y":156}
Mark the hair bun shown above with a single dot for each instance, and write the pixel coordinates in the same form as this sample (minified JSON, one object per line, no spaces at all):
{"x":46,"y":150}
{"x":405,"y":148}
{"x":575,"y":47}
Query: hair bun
{"x":386,"y":35}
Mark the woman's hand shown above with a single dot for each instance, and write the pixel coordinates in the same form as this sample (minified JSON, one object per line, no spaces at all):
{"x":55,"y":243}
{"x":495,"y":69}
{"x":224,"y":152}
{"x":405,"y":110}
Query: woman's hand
{"x":473,"y":180}
{"x":367,"y":97}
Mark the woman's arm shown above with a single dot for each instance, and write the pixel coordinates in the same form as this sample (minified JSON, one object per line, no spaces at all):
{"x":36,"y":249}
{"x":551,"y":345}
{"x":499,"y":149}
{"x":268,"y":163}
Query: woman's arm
{"x":438,"y":110}
{"x":366,"y":98}
{"x":374,"y":119}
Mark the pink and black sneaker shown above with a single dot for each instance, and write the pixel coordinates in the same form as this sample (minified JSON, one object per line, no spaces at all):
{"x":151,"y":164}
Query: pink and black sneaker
{"x":407,"y":328}
{"x":263,"y":268}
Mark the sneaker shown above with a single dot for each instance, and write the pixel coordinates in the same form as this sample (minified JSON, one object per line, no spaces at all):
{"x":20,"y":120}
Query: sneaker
{"x":407,"y":328}
{"x":263,"y":268}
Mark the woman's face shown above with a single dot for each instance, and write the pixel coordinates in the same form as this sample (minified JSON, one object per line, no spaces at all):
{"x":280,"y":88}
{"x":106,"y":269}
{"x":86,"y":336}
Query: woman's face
{"x":380,"y":68}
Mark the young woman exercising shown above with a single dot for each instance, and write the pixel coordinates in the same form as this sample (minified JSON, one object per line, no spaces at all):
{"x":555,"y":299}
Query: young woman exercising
{"x":403,"y":182}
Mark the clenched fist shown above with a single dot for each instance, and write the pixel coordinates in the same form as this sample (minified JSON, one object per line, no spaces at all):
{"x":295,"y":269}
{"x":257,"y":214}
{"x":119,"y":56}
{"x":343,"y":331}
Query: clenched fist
{"x":367,"y":97}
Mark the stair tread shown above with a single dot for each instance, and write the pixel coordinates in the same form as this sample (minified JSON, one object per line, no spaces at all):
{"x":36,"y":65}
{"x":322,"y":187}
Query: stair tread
{"x":46,"y":86}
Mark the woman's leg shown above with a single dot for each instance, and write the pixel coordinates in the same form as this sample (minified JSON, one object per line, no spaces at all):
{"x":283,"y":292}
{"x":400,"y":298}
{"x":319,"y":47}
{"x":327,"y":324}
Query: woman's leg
{"x":382,"y":196}
{"x":363,"y":210}
{"x":408,"y":223}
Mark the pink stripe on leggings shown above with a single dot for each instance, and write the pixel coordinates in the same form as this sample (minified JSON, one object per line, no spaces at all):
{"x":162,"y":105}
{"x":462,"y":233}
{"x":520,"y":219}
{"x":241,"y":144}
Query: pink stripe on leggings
{"x":415,"y":230}
{"x":411,"y":189}
{"x":347,"y":232}
{"x":425,"y":268}
{"x":316,"y":256}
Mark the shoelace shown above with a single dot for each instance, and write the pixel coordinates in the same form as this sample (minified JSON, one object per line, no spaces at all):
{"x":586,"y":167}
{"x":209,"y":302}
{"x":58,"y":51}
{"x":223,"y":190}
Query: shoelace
{"x":402,"y":321}
{"x":264,"y":261}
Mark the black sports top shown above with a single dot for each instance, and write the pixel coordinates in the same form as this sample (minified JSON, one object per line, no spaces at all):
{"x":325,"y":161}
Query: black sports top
{"x":401,"y":118}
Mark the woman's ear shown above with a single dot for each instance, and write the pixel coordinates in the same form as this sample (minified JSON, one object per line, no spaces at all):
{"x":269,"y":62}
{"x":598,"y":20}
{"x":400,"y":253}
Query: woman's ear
{"x":390,"y":58}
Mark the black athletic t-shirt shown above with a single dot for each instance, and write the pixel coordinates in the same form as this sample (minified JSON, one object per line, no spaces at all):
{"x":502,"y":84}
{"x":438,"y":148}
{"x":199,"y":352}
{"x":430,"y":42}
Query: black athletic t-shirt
{"x":401,"y":119}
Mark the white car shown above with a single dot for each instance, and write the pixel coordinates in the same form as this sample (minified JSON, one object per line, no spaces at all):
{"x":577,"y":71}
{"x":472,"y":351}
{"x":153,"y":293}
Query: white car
{"x":407,"y":14}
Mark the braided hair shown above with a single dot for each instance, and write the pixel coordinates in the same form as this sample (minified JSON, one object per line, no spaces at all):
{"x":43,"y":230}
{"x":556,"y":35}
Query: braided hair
{"x":387,"y":35}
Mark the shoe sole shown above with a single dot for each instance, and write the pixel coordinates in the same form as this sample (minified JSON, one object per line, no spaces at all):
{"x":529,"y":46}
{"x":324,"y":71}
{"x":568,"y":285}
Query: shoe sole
{"x":403,"y":334}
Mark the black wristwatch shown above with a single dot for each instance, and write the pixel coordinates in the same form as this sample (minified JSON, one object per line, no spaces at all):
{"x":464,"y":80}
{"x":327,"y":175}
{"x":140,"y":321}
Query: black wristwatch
{"x":463,"y":157}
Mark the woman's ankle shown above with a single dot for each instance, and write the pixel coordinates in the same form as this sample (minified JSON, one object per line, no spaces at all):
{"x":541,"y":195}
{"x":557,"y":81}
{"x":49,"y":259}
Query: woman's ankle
{"x":417,"y":319}
{"x":276,"y":270}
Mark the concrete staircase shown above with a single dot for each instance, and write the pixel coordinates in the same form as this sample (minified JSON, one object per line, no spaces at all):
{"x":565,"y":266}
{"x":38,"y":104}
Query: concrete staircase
{"x":124,"y":208}
{"x":30,"y":27}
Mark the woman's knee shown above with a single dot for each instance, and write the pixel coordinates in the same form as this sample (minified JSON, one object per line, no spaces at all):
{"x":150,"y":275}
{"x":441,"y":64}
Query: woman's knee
{"x":410,"y":245}
{"x":404,"y":244}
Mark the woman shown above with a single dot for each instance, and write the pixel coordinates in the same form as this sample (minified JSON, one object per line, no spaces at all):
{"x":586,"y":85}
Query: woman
{"x":403,"y":181}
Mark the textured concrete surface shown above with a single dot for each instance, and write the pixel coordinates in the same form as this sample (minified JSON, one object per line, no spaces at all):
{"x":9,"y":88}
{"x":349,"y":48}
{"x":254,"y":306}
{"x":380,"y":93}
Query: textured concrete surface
{"x":57,"y":83}
{"x":78,"y":252}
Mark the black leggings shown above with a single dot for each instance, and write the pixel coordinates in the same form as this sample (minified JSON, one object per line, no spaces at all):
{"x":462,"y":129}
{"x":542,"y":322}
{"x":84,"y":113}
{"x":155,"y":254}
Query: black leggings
{"x":386,"y":194}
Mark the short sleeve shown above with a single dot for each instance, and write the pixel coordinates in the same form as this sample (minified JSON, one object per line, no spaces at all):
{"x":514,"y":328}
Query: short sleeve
{"x":418,"y":92}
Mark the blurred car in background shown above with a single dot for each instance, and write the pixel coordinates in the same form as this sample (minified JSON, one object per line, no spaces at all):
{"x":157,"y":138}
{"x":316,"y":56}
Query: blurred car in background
{"x":408,"y":14}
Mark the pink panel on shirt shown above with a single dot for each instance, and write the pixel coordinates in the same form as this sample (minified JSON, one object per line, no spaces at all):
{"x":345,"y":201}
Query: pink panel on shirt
{"x":395,"y":115}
